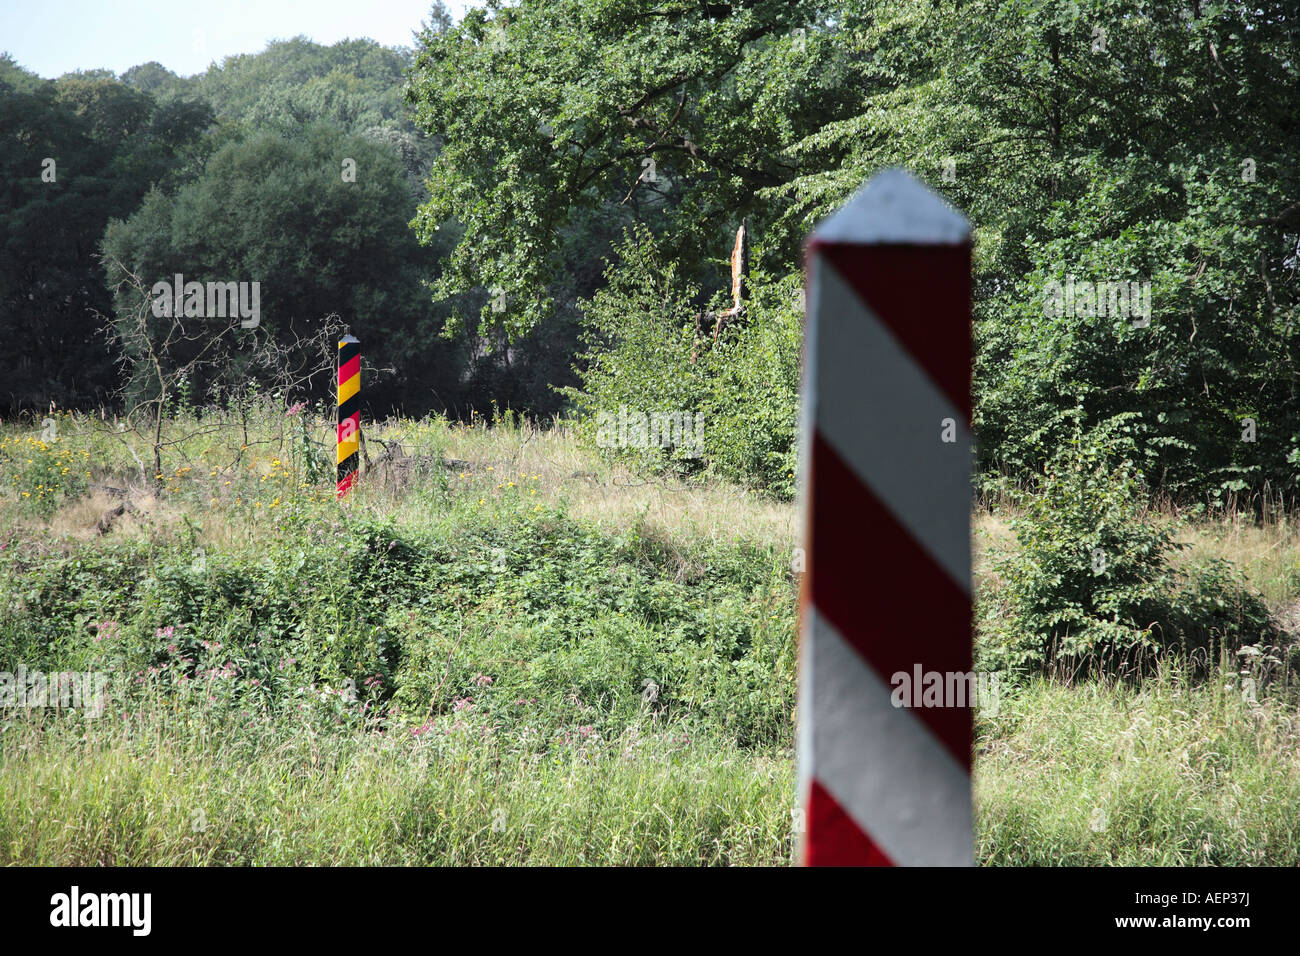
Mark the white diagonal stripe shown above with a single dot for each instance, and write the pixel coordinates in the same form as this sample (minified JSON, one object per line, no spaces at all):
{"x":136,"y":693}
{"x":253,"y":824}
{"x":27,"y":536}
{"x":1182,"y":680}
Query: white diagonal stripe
{"x":880,"y":762}
{"x":881,"y":412}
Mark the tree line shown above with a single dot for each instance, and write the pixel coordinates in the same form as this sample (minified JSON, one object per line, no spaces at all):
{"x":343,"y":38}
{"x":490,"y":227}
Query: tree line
{"x":545,"y":192}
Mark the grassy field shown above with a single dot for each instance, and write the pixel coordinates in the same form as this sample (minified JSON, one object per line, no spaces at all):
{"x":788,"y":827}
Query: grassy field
{"x":504,"y":649}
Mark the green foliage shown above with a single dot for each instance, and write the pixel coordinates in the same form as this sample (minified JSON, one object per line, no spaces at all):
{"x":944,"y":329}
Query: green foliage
{"x":551,"y":108}
{"x":1092,"y":585}
{"x":354,"y":84}
{"x":42,"y":474}
{"x":751,"y":406}
{"x":639,"y":334}
{"x":357,"y":259}
{"x":1164,"y":158}
{"x":647,"y":356}
{"x":525,"y":618}
{"x":1091,"y":138}
{"x":109,"y":144}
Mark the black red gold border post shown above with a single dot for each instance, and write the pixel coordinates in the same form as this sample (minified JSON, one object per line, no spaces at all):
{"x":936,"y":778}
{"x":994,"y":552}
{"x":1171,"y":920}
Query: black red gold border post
{"x":349,"y":417}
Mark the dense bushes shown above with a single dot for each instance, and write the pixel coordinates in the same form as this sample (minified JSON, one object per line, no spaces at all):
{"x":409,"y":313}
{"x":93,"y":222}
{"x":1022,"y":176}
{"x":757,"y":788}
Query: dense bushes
{"x":1093,"y":583}
{"x":524,"y":619}
{"x":738,"y":396}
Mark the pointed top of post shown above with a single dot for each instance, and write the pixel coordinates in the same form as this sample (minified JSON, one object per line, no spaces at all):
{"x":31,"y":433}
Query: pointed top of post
{"x":894,"y":208}
{"x":349,"y":339}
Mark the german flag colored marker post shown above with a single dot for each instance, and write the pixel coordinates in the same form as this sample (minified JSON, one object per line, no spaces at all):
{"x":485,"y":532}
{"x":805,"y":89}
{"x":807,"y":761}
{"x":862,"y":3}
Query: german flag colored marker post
{"x":886,"y":497}
{"x":349,"y":419}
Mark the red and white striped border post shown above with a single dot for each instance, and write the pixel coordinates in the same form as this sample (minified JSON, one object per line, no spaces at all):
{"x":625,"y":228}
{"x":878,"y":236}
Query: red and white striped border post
{"x":886,"y":496}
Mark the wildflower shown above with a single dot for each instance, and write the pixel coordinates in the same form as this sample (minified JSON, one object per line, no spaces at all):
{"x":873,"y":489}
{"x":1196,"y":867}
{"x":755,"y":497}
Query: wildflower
{"x":295,"y":409}
{"x":482,"y":680}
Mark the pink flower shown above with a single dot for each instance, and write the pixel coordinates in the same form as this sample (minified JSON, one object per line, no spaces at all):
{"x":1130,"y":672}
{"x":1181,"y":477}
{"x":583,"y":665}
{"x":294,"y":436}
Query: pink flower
{"x":482,"y":680}
{"x":295,"y":409}
{"x":463,"y":703}
{"x":165,"y":632}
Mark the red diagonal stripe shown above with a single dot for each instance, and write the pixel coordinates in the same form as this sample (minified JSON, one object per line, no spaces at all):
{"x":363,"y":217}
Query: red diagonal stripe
{"x":349,"y":368}
{"x":833,"y":838}
{"x":893,"y":604}
{"x":355,"y":419}
{"x":917,"y":292}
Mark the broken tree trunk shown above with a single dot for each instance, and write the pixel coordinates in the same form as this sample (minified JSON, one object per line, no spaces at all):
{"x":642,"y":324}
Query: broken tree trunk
{"x":739,"y":275}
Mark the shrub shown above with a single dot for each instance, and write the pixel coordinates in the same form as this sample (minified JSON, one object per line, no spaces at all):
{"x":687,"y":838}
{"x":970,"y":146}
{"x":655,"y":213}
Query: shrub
{"x":531,"y":620}
{"x":1091,"y":585}
{"x":751,"y":408}
{"x":644,"y":357}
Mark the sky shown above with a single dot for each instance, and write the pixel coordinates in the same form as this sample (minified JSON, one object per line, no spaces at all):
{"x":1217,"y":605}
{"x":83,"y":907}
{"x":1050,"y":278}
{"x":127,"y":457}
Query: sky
{"x":53,"y":37}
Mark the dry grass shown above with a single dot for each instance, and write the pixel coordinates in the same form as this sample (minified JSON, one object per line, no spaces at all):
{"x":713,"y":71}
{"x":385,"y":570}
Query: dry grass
{"x":225,"y":507}
{"x":555,"y":463}
{"x":1267,"y":553}
{"x":557,"y":470}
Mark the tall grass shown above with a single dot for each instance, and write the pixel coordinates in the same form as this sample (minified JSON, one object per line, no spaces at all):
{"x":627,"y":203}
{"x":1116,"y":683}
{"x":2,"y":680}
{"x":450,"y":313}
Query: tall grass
{"x":155,"y":789}
{"x":514,"y":552}
{"x":1168,"y":773}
